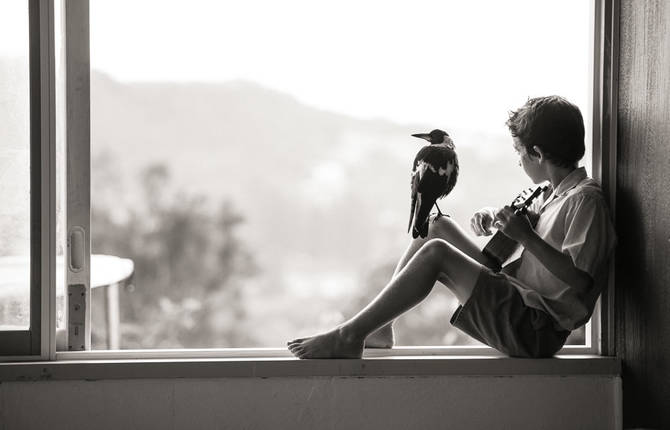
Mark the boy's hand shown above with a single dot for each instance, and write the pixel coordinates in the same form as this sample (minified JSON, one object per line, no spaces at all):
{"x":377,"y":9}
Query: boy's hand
{"x":482,"y":221}
{"x":517,"y":227}
{"x":533,"y":217}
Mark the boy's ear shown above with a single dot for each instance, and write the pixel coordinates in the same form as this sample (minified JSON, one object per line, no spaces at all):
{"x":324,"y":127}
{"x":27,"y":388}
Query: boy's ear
{"x":540,"y":153}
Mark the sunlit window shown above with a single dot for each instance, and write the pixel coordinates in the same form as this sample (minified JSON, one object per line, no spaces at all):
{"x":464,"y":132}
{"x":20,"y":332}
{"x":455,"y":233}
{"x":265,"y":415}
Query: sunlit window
{"x":14,"y":167}
{"x":252,"y":159}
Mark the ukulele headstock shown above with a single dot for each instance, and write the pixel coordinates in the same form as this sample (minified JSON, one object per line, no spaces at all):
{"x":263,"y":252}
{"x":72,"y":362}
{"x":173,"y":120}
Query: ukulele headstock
{"x":526,"y":197}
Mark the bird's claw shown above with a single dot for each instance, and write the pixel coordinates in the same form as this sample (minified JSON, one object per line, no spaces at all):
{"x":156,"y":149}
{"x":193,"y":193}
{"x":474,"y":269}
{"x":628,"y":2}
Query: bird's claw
{"x":440,"y":215}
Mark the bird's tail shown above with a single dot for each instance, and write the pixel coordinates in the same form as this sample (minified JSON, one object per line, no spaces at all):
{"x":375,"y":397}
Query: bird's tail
{"x":421,"y":230}
{"x":421,"y":223}
{"x":412,"y":213}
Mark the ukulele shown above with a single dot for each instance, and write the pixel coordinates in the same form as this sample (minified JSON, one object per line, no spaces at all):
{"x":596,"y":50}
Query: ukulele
{"x":501,"y":246}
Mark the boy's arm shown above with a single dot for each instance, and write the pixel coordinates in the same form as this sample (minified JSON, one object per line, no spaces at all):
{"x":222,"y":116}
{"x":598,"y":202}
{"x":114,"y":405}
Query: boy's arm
{"x":518,"y":227}
{"x":559,"y":264}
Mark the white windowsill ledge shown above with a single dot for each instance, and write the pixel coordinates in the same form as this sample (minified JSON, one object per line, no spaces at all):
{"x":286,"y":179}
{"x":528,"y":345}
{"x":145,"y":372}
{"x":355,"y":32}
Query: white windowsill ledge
{"x":390,"y":366}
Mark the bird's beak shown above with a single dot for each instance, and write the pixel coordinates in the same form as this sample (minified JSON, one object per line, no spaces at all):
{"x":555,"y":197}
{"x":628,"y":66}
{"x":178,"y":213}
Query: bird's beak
{"x":424,"y":136}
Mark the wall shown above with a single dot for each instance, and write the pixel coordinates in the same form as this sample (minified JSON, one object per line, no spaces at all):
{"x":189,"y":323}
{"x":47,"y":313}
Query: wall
{"x":643,"y":212}
{"x":459,"y":402}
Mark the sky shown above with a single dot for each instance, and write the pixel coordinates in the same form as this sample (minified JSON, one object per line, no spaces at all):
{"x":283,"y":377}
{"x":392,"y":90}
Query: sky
{"x":447,"y":63}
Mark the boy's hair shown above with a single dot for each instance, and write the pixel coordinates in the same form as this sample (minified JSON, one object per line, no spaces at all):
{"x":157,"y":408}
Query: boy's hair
{"x":553,"y":124}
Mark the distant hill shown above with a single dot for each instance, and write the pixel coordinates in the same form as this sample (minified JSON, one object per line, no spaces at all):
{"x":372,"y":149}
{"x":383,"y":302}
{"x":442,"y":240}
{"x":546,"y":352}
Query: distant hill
{"x":320,"y":191}
{"x":313,"y":185}
{"x":325,"y":196}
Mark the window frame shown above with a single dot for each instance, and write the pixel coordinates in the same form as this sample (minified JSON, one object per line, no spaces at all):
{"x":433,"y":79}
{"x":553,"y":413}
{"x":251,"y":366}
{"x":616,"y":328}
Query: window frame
{"x":605,"y":107}
{"x":599,"y":333}
{"x":35,"y":342}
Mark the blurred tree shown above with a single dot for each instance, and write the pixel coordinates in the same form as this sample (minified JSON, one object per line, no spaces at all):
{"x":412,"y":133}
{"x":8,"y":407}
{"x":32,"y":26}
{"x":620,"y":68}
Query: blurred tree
{"x":189,"y":263}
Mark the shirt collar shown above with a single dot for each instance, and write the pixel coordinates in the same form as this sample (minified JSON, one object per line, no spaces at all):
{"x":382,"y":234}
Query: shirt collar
{"x":570,"y":181}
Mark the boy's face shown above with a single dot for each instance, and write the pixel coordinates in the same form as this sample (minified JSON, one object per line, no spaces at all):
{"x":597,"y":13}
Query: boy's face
{"x":530,"y":163}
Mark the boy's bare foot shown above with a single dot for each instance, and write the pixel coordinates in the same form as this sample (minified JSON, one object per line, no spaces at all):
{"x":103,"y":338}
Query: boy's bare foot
{"x":333,"y":344}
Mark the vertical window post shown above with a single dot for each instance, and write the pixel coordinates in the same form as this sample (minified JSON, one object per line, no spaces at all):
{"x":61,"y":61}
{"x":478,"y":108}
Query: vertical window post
{"x":43,"y":175}
{"x":78,"y":164}
{"x":606,"y":45}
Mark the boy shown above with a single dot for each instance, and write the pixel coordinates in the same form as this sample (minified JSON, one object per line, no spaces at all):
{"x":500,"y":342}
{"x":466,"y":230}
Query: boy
{"x":529,"y":308}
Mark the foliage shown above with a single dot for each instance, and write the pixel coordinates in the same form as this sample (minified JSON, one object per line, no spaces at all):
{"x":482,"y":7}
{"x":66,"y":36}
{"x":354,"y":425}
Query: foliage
{"x":189,"y":262}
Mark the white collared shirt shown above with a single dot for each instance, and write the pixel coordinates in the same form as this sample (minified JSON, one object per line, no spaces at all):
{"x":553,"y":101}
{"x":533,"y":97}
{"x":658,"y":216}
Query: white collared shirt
{"x":575,"y":220}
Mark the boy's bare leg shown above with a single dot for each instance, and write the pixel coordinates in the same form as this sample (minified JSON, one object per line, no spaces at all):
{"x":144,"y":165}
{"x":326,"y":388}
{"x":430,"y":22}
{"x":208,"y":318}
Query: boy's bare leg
{"x":435,"y":259}
{"x":443,"y":228}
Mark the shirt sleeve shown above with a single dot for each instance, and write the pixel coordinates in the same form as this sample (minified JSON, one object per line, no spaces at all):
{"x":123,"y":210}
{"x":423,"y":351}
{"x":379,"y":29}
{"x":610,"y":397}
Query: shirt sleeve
{"x":590,"y":237}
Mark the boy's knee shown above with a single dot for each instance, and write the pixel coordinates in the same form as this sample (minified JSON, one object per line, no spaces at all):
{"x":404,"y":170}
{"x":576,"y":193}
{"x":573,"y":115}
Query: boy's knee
{"x":441,"y":227}
{"x":437,"y":249}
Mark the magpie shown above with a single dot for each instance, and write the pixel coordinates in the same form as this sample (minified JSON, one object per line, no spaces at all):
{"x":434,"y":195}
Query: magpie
{"x":434,"y":175}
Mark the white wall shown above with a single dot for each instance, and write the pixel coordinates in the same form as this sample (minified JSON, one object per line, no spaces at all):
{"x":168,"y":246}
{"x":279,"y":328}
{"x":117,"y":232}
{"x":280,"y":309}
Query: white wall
{"x":440,"y":402}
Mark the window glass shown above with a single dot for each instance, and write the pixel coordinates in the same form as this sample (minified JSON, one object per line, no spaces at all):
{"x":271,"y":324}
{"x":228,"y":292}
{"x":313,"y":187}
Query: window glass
{"x":252,"y":159}
{"x":14,"y":167}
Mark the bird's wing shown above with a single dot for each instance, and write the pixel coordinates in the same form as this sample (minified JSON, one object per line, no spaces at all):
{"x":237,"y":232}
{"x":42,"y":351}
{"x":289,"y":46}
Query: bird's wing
{"x":416,"y":178}
{"x":434,"y":176}
{"x":451,"y":176}
{"x":429,"y":185}
{"x":426,"y":186}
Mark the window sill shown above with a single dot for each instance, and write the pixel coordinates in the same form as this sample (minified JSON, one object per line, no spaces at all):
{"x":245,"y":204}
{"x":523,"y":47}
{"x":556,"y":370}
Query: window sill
{"x":269,"y":367}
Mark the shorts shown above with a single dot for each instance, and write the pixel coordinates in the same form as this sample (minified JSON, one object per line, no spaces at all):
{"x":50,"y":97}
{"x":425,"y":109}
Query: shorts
{"x":496,"y":315}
